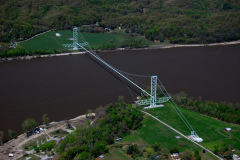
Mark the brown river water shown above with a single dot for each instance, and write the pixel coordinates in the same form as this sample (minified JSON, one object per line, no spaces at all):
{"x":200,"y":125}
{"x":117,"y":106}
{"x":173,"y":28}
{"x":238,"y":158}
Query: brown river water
{"x":67,"y":86}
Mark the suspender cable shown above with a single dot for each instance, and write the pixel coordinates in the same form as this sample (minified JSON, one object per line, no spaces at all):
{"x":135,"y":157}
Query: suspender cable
{"x":114,"y":70}
{"x":177,"y":109}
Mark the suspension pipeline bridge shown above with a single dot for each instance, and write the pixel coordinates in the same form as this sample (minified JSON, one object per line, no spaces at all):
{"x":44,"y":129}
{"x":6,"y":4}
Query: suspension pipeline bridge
{"x":147,"y":99}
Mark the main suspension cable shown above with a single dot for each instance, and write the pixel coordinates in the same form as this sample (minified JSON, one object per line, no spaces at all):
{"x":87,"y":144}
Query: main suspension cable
{"x":176,"y":108}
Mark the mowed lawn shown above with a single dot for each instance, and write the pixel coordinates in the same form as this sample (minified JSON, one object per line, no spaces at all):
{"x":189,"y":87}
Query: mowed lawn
{"x":116,"y":153}
{"x":154,"y":132}
{"x":210,"y":129}
{"x":49,"y":41}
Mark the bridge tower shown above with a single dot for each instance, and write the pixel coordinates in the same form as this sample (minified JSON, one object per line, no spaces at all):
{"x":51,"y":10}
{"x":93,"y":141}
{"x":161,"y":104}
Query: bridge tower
{"x":75,"y":45}
{"x":75,"y":38}
{"x":153,"y":101}
{"x":153,"y":98}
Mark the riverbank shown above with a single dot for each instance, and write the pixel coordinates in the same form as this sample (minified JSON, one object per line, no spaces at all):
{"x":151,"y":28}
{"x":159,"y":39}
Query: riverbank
{"x":16,"y":146}
{"x":165,"y":46}
{"x":201,"y":45}
{"x":40,"y":56}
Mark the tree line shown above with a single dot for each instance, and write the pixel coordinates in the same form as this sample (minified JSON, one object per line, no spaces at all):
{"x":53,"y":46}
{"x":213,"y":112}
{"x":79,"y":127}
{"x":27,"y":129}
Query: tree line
{"x":223,"y":111}
{"x":20,"y":51}
{"x":179,"y":21}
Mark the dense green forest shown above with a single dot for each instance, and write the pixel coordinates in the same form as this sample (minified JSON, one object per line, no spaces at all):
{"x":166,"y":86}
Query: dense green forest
{"x":179,"y":21}
{"x":223,"y":111}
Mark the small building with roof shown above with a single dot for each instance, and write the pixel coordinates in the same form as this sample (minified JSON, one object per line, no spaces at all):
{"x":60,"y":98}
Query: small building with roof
{"x":175,"y":156}
{"x":228,"y":129}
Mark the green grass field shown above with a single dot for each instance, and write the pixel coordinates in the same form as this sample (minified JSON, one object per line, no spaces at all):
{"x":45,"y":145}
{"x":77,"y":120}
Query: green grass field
{"x":49,"y":41}
{"x":154,"y":132}
{"x":116,"y":153}
{"x":210,"y":129}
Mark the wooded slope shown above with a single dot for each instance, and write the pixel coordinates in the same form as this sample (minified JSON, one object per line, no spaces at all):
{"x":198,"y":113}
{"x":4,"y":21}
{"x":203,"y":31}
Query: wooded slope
{"x":180,"y":21}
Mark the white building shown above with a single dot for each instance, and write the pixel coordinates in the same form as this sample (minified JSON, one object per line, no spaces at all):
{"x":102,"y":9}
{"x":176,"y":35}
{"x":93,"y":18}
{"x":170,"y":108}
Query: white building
{"x":175,"y":156}
{"x":228,"y":129}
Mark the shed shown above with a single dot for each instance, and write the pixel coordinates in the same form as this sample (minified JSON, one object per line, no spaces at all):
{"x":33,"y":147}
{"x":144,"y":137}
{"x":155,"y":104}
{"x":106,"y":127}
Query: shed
{"x":228,"y":129}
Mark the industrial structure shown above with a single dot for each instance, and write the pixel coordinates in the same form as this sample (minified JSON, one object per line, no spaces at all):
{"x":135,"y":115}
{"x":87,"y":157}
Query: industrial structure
{"x":151,"y":100}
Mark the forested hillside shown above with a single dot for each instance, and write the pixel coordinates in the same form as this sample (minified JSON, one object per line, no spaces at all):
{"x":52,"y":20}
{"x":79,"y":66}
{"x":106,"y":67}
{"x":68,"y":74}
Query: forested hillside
{"x":179,"y":21}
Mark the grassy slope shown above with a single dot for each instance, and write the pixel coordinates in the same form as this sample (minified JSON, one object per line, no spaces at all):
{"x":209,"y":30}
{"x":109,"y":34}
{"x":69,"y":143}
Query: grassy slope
{"x":210,"y":129}
{"x":49,"y":40}
{"x":116,"y":153}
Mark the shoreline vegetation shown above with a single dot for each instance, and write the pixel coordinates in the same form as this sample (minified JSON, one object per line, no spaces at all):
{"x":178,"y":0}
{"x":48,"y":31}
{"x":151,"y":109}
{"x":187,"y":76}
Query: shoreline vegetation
{"x":126,"y":118}
{"x":222,"y":111}
{"x":22,"y":54}
{"x":93,"y":134}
